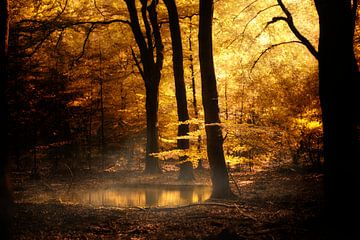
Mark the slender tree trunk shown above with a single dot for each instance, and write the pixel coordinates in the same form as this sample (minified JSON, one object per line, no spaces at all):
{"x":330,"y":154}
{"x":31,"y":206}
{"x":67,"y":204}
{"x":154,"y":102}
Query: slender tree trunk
{"x":194,"y":102}
{"x":5,"y":194}
{"x":102,"y":133}
{"x":226,"y":102}
{"x":214,"y":139}
{"x":178,"y":66}
{"x":339,"y":86}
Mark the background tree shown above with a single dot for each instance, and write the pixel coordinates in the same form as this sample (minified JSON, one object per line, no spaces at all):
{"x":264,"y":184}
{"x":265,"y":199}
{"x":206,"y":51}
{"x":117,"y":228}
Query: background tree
{"x":214,"y":138}
{"x":5,"y":195}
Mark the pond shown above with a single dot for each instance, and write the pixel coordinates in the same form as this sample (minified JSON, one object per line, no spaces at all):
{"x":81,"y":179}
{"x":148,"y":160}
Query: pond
{"x":130,"y":196}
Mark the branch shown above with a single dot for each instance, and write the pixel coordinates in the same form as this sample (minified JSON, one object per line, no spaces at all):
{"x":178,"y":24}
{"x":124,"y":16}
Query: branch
{"x":274,"y":20}
{"x":136,"y":29}
{"x":59,"y":39}
{"x":157,"y":35}
{"x":268,"y":49}
{"x":98,"y":9}
{"x":245,"y":8}
{"x":147,"y":26}
{"x":85,"y":42}
{"x":302,"y":38}
{"x":66,"y":23}
{"x":248,"y":23}
{"x":137,"y":63}
{"x":52,"y":26}
{"x":62,"y":9}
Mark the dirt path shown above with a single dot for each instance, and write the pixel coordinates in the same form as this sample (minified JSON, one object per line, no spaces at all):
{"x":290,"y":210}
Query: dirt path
{"x":278,"y":203}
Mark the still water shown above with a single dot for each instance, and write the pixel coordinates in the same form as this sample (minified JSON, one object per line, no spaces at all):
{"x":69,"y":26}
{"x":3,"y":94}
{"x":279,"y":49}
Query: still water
{"x":130,"y":196}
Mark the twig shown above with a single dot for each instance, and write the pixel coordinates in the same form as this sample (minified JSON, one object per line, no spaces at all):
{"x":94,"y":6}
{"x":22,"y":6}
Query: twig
{"x":268,"y":49}
{"x":216,"y":204}
{"x":245,"y":8}
{"x":248,"y":23}
{"x":98,"y":9}
{"x":85,"y":42}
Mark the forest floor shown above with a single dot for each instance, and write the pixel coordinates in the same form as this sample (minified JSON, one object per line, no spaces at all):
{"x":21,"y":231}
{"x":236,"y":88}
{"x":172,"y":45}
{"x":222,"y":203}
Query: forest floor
{"x":282,"y":202}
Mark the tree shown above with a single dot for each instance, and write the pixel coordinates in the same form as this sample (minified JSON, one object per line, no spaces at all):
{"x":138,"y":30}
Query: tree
{"x":150,"y":72}
{"x":180,"y":90}
{"x":339,"y":79}
{"x":5,"y":196}
{"x":214,"y":138}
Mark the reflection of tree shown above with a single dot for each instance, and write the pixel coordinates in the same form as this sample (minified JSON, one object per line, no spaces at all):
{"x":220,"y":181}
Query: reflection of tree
{"x":187,"y":194}
{"x":152,"y":197}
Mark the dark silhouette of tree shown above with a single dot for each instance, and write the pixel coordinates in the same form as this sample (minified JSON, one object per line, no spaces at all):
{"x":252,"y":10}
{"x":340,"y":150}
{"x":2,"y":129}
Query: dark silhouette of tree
{"x":339,"y":86}
{"x":180,"y":90}
{"x":150,"y":72}
{"x":178,"y":67}
{"x":214,"y":138}
{"x":5,"y":195}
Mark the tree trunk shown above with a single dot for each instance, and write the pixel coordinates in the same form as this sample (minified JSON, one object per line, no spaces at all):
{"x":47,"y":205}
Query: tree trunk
{"x":180,"y":90}
{"x":102,"y":118}
{"x":178,"y":66}
{"x":214,"y":139}
{"x":152,"y":165}
{"x":194,"y":102}
{"x":340,"y":107}
{"x":5,"y":194}
{"x":150,"y":72}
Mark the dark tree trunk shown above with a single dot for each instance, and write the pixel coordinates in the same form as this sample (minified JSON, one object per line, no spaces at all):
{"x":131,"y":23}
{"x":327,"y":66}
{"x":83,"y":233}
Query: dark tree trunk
{"x":5,"y":194}
{"x":152,"y":130}
{"x":194,"y":102}
{"x":102,"y":118}
{"x":338,"y":76}
{"x":150,"y":72}
{"x":214,"y":139}
{"x":180,"y":90}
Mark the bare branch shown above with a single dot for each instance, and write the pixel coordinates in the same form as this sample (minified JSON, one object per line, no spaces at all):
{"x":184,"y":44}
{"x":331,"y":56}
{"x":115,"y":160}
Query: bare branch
{"x":67,"y":23}
{"x":268,"y":49}
{"x":85,"y":42}
{"x":248,"y":23}
{"x":274,"y":20}
{"x":98,"y":9}
{"x":62,"y":9}
{"x":245,"y":8}
{"x":157,"y":35}
{"x":49,"y":27}
{"x":302,"y":38}
{"x":137,"y":63}
{"x":59,"y":39}
{"x":40,"y":43}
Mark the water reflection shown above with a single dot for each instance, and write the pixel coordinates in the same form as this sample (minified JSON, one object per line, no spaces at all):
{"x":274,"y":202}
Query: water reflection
{"x":141,"y":196}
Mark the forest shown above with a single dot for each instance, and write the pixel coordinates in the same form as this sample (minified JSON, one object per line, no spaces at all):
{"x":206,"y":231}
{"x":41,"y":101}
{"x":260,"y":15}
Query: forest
{"x":179,"y":119}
